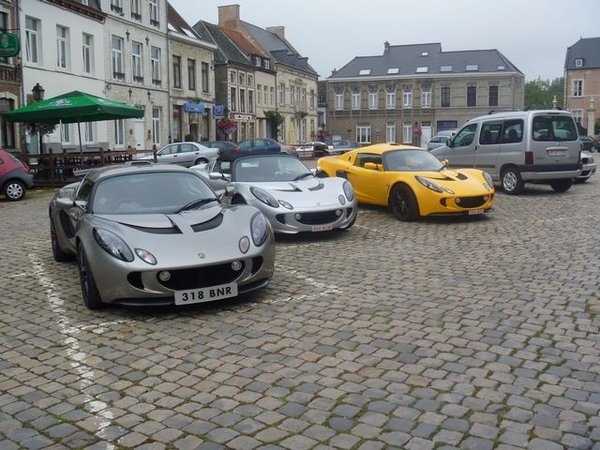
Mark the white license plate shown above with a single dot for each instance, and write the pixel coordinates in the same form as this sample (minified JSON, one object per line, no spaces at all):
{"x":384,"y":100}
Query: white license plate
{"x":327,"y":227}
{"x":475,"y":212}
{"x":207,"y":294}
{"x":556,"y":153}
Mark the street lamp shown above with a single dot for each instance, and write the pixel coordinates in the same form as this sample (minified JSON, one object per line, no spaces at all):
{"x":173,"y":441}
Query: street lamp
{"x":38,"y":92}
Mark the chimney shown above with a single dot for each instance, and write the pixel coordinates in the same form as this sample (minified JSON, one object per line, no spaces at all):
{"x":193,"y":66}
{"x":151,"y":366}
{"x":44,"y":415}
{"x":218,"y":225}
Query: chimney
{"x":279,"y":31}
{"x":229,"y":16}
{"x":386,"y":47}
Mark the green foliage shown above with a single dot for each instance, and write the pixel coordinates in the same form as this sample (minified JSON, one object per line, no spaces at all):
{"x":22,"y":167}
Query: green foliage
{"x":541,"y":93}
{"x":275,"y":121}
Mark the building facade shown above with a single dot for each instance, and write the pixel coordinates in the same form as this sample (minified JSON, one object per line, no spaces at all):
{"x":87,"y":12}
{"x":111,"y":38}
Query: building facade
{"x":10,"y":79}
{"x":582,"y":82}
{"x":411,"y":92}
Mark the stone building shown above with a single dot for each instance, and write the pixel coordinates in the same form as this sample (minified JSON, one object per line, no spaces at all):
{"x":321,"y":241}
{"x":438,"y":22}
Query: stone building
{"x":10,"y":80}
{"x":582,"y":82}
{"x":411,"y":92}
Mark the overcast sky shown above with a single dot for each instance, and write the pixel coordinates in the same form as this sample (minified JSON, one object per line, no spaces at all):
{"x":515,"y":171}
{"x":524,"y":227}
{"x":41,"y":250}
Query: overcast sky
{"x":532,"y":34}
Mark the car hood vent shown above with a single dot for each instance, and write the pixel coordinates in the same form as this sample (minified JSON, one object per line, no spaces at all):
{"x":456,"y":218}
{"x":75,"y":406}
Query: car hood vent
{"x":208,"y":225}
{"x":172,"y":230}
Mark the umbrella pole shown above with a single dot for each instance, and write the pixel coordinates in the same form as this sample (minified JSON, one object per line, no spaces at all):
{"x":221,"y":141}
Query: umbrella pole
{"x":79,"y":132}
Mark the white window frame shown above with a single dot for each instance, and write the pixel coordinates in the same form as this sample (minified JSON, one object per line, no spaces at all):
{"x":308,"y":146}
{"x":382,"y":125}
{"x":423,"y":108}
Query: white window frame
{"x":62,"y":47}
{"x":407,"y":133}
{"x":356,"y":100}
{"x":390,"y":100}
{"x":155,"y":64}
{"x":119,"y":133}
{"x":137,"y":66}
{"x":87,"y":52}
{"x":577,"y":88}
{"x":32,"y":40}
{"x":373,"y":100}
{"x":156,"y":113}
{"x":339,"y":102}
{"x":66,"y":133}
{"x":281,"y":92}
{"x":153,"y":6}
{"x":136,"y":8}
{"x":363,"y":134}
{"x":577,"y":115}
{"x":426,"y":98}
{"x":390,"y":132}
{"x":407,"y":99}
{"x":89,"y":132}
{"x":117,"y":56}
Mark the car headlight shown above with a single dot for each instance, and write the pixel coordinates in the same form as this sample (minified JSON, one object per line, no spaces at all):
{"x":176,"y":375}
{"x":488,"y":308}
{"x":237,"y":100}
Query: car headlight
{"x":488,"y":180}
{"x":264,"y":197}
{"x":113,"y":244}
{"x":348,"y":191}
{"x":259,"y":229}
{"x":433,"y":186}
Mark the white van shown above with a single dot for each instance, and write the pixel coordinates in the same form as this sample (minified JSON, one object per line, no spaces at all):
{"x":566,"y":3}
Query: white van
{"x":515,"y":147}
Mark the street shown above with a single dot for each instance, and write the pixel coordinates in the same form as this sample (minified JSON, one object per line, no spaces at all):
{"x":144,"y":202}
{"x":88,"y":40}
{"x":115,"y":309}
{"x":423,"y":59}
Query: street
{"x":448,"y":333}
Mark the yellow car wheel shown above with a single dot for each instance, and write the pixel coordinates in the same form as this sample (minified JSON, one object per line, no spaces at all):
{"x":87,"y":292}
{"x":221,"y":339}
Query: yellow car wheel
{"x":403,"y":203}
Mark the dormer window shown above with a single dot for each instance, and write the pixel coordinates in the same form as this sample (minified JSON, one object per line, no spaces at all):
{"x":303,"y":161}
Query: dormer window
{"x":501,"y":67}
{"x":445,"y":68}
{"x":578,"y":62}
{"x":393,"y":70}
{"x":364,"y":72}
{"x":422,"y":69}
{"x":472,"y":67}
{"x":424,"y":53}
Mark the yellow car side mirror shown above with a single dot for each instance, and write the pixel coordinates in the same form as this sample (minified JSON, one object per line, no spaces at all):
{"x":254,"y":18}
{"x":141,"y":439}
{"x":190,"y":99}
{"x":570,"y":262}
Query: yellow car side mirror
{"x":373,"y":166}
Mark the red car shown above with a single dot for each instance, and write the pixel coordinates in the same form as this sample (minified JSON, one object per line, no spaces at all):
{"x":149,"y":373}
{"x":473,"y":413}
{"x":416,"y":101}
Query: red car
{"x":15,"y":177}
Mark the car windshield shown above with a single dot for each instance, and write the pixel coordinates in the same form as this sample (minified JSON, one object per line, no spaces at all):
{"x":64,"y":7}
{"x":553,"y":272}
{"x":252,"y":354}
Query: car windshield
{"x":411,"y":161}
{"x":149,"y":193}
{"x":269,"y":168}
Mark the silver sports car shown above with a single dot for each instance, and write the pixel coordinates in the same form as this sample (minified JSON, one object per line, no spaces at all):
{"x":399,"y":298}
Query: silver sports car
{"x":152,"y":234}
{"x":285,"y":190}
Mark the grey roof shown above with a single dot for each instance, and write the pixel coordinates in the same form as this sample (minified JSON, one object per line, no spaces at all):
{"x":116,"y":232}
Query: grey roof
{"x":281,"y":50}
{"x":587,"y":49}
{"x":423,"y":59}
{"x":227,"y":52}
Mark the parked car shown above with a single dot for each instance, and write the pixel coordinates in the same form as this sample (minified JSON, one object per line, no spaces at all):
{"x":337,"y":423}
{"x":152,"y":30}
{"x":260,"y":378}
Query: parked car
{"x":153,"y":234}
{"x":224,"y":146}
{"x":588,"y":167}
{"x":313,"y":149}
{"x":437,"y":141}
{"x":411,"y":182}
{"x":342,"y":146}
{"x":537,"y":146}
{"x":15,"y":177}
{"x":259,"y":145}
{"x":288,"y":193}
{"x":183,"y":153}
{"x":587,"y":142}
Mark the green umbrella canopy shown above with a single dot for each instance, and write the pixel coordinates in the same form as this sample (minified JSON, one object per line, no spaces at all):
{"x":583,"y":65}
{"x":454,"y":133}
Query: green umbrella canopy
{"x":74,"y":107}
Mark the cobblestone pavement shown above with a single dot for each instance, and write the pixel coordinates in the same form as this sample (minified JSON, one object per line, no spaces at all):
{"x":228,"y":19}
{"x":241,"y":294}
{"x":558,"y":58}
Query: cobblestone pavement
{"x":471,"y":334}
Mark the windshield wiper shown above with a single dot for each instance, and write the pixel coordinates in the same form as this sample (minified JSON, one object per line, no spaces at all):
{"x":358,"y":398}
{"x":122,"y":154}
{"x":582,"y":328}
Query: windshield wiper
{"x":196,"y":204}
{"x":302,"y":175}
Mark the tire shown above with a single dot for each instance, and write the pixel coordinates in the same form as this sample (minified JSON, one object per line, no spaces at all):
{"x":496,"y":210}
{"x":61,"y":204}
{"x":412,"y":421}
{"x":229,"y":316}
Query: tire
{"x":238,"y":200}
{"x":14,"y":190}
{"x":512,"y":183}
{"x":200,"y":161}
{"x":57,"y":252}
{"x":89,"y":290}
{"x":562,"y":185}
{"x":403,"y":203}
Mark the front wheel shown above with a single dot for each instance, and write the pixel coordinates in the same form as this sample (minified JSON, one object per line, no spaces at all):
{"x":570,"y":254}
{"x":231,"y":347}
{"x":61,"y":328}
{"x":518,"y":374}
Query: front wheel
{"x":512,"y":183}
{"x":14,"y":190}
{"x":562,"y":185}
{"x":89,"y":290}
{"x":201,"y":161}
{"x":403,"y":203}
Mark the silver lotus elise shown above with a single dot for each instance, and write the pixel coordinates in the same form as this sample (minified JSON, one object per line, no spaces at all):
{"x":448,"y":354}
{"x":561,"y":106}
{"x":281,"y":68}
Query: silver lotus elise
{"x":292,"y":198}
{"x":149,"y":234}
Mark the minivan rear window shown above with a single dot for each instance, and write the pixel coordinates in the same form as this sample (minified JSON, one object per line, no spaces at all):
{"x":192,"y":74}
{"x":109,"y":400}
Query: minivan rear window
{"x":553,"y":128}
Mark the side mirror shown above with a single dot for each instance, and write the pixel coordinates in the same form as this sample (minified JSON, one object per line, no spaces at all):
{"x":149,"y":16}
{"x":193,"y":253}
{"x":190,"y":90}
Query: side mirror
{"x":372,"y":166}
{"x":450,"y":143}
{"x":217,"y":176}
{"x":80,"y":204}
{"x":229,"y":190}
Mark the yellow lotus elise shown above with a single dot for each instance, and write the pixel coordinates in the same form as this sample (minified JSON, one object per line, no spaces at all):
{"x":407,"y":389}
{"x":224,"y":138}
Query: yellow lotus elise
{"x":410,"y":181}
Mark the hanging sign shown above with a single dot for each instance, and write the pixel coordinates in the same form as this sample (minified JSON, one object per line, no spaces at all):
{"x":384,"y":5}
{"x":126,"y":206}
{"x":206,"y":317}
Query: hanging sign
{"x":10,"y":45}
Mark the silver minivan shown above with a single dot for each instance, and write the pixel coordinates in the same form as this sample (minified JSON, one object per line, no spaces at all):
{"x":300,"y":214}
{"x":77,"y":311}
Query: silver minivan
{"x":516,"y":147}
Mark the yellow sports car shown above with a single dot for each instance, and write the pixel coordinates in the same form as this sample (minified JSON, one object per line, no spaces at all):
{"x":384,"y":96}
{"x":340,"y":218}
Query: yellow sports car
{"x":410,"y":181}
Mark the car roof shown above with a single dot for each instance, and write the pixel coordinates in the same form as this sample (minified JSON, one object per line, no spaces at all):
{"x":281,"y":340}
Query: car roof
{"x":382,"y":148}
{"x":516,"y":114}
{"x":126,"y":169}
{"x":235,"y":156}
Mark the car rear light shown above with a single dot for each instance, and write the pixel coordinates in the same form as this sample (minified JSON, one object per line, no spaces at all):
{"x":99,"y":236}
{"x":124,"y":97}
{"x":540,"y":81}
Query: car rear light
{"x":528,"y":157}
{"x":237,"y":149}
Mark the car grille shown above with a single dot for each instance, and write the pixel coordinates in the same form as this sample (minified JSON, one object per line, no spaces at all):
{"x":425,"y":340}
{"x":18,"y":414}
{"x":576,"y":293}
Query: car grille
{"x":471,"y":202}
{"x":318,"y":218}
{"x":200,"y":277}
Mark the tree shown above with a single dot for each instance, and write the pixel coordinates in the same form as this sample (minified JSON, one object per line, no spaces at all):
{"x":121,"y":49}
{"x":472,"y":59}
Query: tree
{"x":275,"y":121}
{"x":541,"y":93}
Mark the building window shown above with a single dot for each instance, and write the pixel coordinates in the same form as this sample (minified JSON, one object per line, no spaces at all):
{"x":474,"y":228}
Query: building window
{"x":62,"y":47}
{"x":136,"y":10}
{"x":88,"y":52}
{"x":250,"y":80}
{"x":426,"y":98}
{"x":258,"y":97}
{"x":204,"y":75}
{"x":267,"y":64}
{"x":577,"y":88}
{"x":339,"y":101}
{"x":390,"y":132}
{"x":579,"y":62}
{"x":312,"y":99}
{"x":191,"y":66}
{"x":66,"y":133}
{"x":155,"y":61}
{"x":251,"y":102}
{"x":32,"y":40}
{"x":177,"y":71}
{"x":373,"y":100}
{"x":390,"y":100}
{"x":116,"y":6}
{"x":407,"y":133}
{"x":577,"y":115}
{"x":445,"y":96}
{"x":356,"y":100}
{"x":3,"y":27}
{"x":153,"y":6}
{"x":242,"y":100}
{"x":493,"y":96}
{"x":119,"y":132}
{"x":233,"y":99}
{"x":89,"y":132}
{"x":281,"y":94}
{"x":117,"y":58}
{"x":272,"y":91}
{"x":407,"y":98}
{"x":363,"y":134}
{"x":292,"y":95}
{"x":232,"y":76}
{"x":136,"y":62}
{"x":156,"y":125}
{"x":471,"y":96}
{"x":242,"y":78}
{"x":7,"y":129}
